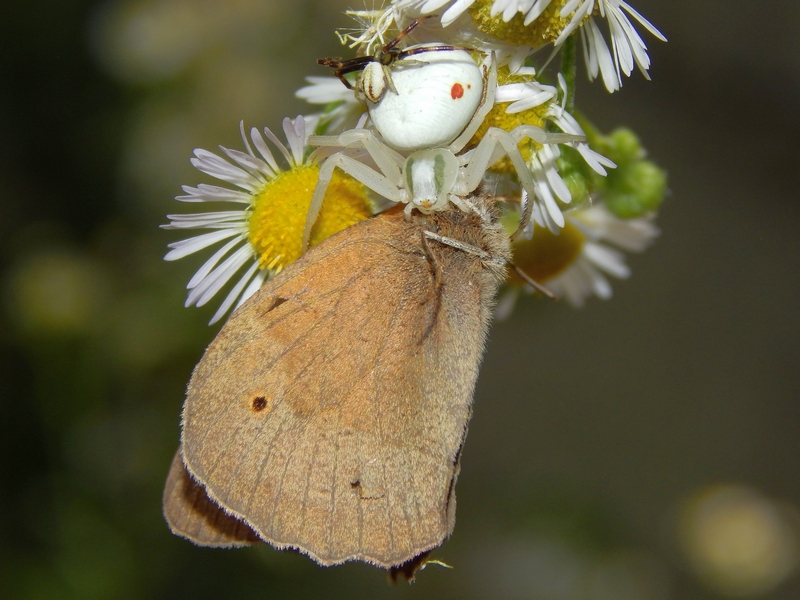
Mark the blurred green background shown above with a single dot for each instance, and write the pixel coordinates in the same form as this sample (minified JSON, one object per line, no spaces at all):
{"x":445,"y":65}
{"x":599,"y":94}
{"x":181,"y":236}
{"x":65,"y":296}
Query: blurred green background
{"x":641,"y":448}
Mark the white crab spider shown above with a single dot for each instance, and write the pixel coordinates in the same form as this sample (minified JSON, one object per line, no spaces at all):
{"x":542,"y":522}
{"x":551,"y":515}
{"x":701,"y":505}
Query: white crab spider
{"x":431,"y":176}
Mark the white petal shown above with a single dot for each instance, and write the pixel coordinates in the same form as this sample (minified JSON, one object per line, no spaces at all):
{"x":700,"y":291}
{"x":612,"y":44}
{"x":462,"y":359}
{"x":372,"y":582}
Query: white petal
{"x":206,"y":220}
{"x":325,"y":90}
{"x":254,"y":286}
{"x":278,"y":144}
{"x":455,"y":11}
{"x":213,"y":193}
{"x":576,"y":20}
{"x":215,"y":166}
{"x":609,"y":260}
{"x":234,"y":294}
{"x":296,"y":137}
{"x":255,"y":166}
{"x":536,"y":11}
{"x":217,"y":279}
{"x":191,"y":245}
{"x":262,"y":147}
{"x":209,"y":265}
{"x":642,"y":21}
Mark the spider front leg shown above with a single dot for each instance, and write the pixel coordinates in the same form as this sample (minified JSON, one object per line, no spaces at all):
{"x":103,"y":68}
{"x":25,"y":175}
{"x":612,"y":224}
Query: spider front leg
{"x":497,"y":143}
{"x":462,"y":204}
{"x":343,"y":67}
{"x":388,"y":160}
{"x":375,"y":181}
{"x":539,"y":135}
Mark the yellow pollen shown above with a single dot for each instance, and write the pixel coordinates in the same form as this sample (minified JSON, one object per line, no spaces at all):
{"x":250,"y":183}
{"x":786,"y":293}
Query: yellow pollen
{"x":279,"y":213}
{"x":542,"y":31}
{"x":498,"y":117}
{"x":547,"y":254}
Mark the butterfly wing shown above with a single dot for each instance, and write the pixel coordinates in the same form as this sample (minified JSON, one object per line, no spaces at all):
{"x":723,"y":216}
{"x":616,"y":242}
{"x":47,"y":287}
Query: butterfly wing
{"x":329,"y":412}
{"x":191,"y":513}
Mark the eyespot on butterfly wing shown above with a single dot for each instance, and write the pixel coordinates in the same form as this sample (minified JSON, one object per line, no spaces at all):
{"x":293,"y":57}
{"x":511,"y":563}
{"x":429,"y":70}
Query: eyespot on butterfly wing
{"x":329,"y":413}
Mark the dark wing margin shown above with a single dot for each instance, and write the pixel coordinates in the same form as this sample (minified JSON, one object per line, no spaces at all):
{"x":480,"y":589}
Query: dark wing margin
{"x":190,"y":513}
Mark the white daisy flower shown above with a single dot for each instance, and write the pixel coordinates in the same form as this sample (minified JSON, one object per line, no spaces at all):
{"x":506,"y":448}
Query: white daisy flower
{"x":530,"y":9}
{"x":528,"y":102}
{"x":576,"y":261}
{"x":263,"y":233}
{"x":627,"y":47}
{"x":601,"y":255}
{"x":545,"y":22}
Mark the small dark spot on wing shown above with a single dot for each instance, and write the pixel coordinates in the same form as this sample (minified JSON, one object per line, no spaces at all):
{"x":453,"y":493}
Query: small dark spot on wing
{"x":259,"y":403}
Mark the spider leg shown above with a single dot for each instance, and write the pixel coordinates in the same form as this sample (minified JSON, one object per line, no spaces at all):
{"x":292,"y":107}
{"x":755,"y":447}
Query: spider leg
{"x":343,"y":67}
{"x":462,"y":204}
{"x":540,"y":136}
{"x":414,"y":51}
{"x":389,"y":46}
{"x":389,"y":161}
{"x":346,"y":65}
{"x":387,"y":76}
{"x":375,"y":181}
{"x":343,"y":79}
{"x":486,"y":154}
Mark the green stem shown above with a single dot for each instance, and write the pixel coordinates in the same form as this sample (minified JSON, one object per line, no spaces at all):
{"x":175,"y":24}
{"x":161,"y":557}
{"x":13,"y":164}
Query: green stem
{"x":569,"y":68}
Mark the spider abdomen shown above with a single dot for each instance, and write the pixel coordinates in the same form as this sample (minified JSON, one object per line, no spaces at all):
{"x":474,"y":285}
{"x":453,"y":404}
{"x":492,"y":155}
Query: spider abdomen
{"x":437,"y":94}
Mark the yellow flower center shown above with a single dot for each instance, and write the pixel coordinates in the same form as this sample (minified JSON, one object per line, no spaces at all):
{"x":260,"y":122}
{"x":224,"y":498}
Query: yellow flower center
{"x":547,"y":254}
{"x":544,"y":30}
{"x":279,"y":212}
{"x":498,"y":117}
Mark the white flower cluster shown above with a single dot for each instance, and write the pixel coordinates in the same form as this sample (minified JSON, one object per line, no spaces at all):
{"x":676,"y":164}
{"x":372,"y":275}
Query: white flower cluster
{"x":442,"y":99}
{"x":415,"y":24}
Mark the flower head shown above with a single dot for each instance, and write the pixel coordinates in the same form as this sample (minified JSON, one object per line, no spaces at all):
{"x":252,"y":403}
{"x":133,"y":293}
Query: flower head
{"x":627,"y":47}
{"x":576,"y":261}
{"x":263,"y":234}
{"x":529,"y":25}
{"x":521,"y":100}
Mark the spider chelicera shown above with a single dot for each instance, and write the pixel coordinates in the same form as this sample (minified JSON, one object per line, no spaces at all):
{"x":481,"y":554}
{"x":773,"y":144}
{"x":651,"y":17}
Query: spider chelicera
{"x":424,"y":174}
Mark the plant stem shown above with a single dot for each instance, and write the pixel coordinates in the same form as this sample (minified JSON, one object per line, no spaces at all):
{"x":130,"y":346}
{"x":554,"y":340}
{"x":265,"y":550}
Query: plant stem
{"x":569,"y":67}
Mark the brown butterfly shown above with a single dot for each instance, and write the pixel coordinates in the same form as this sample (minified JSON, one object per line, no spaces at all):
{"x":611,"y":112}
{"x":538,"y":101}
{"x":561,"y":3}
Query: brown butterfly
{"x":329,"y":414}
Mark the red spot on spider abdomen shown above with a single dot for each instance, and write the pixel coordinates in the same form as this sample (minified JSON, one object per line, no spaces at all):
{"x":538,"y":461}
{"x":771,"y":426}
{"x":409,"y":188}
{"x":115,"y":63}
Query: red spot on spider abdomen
{"x":456,"y":91}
